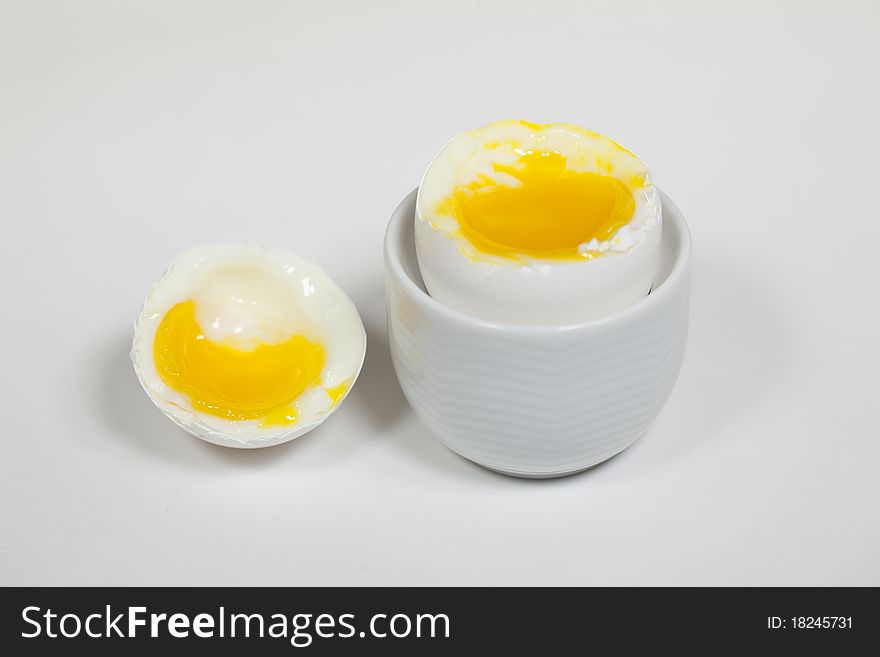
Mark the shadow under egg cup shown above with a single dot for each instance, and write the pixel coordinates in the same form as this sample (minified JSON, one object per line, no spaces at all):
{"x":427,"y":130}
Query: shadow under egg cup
{"x":536,"y":401}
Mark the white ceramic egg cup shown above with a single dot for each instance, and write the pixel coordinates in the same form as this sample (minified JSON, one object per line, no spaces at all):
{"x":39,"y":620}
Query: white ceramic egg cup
{"x":536,"y":401}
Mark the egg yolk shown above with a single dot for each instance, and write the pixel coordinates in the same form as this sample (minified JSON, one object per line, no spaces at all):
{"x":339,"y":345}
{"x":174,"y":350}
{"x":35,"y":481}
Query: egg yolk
{"x":260,"y":384}
{"x":550,"y":214}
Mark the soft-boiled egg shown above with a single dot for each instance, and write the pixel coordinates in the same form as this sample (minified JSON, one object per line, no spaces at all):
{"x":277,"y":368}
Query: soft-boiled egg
{"x":247,"y":346}
{"x":524,"y":223}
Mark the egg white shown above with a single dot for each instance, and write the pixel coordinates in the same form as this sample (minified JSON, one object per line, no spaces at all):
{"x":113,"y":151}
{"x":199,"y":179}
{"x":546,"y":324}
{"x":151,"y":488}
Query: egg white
{"x":248,"y":294}
{"x":530,"y":290}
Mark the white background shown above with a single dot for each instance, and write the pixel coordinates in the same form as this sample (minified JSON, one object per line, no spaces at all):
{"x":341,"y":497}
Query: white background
{"x":130,"y":131}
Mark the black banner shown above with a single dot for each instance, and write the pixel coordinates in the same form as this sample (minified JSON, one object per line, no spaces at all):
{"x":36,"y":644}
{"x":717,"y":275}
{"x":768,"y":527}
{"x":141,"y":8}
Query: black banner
{"x":431,"y":621}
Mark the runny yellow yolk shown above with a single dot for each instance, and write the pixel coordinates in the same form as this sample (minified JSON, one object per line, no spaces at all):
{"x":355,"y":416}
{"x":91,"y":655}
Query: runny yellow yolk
{"x":260,"y":384}
{"x":548,"y":215}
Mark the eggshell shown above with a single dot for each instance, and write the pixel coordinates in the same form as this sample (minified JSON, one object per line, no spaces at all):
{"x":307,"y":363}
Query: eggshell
{"x":530,"y":290}
{"x":316,"y":306}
